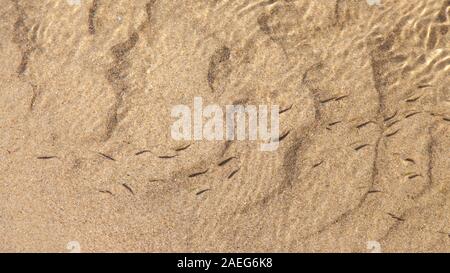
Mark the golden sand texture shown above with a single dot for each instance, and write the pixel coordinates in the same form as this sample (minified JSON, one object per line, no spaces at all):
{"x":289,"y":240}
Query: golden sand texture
{"x":87,"y":156}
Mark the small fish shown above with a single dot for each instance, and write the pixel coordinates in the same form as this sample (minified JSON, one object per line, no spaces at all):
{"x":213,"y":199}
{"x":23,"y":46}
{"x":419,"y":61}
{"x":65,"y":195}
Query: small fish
{"x":202,"y":191}
{"x":128,"y":188}
{"x":317,"y":164}
{"x":197,"y":174}
{"x":142,"y":152}
{"x":364,"y":124}
{"x":182,"y":148}
{"x":396,"y":217}
{"x":374,"y":2}
{"x":226,"y":161}
{"x":45,"y":157}
{"x":286,"y":109}
{"x":107,"y":156}
{"x":340,"y":98}
{"x":233,"y":173}
{"x":413,"y":176}
{"x":393,"y":133}
{"x":410,"y":160}
{"x":166,"y":156}
{"x":328,"y":100}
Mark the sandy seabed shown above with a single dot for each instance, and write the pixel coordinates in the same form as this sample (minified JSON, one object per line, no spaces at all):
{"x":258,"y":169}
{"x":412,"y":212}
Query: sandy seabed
{"x":87,"y":158}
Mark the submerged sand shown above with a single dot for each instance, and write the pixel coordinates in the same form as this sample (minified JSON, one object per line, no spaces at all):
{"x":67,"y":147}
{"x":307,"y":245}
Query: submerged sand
{"x":86,"y":151}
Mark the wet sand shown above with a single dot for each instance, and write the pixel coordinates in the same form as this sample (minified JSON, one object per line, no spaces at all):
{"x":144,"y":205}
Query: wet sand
{"x":86,"y":151}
